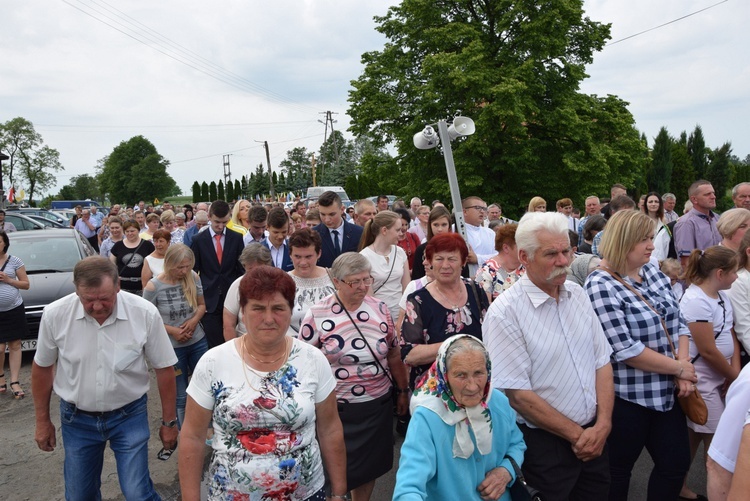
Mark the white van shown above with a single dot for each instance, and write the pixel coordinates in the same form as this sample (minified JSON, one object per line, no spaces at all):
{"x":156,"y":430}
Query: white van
{"x":314,"y":192}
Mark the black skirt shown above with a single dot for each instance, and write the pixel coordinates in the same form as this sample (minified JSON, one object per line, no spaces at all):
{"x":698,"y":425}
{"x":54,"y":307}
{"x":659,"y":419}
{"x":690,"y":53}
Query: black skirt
{"x":13,"y":324}
{"x":368,"y":436}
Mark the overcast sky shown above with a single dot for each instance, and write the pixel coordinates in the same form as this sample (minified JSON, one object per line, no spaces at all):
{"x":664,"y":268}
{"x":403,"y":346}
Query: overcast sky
{"x":263,"y":71}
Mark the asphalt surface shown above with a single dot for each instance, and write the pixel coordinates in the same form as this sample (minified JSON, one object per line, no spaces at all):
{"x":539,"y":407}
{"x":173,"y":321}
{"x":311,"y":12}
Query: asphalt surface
{"x":27,"y":473}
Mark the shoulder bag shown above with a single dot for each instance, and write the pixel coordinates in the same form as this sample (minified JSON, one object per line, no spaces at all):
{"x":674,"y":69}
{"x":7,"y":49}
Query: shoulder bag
{"x":520,"y":490}
{"x":693,"y":404}
{"x":393,"y":263}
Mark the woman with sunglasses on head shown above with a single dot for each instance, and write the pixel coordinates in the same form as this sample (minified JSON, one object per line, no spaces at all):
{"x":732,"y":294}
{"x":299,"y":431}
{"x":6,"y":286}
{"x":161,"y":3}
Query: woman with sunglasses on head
{"x":714,"y":350}
{"x":355,"y":332}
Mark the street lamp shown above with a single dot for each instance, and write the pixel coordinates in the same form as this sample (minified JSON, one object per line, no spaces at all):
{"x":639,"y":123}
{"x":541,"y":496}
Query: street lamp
{"x":3,"y":156}
{"x":428,"y":139}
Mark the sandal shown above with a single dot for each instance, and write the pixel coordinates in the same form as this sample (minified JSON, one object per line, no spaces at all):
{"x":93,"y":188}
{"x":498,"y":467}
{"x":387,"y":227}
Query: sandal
{"x":17,"y":394}
{"x":4,"y":386}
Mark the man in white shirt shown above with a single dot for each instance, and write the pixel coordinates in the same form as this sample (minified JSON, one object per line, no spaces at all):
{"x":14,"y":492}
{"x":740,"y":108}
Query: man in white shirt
{"x":565,"y":207}
{"x":481,"y":240}
{"x":100,"y":339}
{"x":551,"y":357}
{"x":669,"y":201}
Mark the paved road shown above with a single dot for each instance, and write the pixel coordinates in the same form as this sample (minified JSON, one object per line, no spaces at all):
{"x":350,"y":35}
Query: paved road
{"x":26,"y":473}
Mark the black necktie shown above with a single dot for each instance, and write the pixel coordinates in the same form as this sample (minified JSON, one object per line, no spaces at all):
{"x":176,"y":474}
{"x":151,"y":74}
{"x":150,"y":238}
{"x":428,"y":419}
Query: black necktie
{"x":336,"y":245}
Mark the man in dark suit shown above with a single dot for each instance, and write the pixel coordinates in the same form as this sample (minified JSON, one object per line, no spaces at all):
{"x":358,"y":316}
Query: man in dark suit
{"x":217,"y":252}
{"x":336,"y":234}
{"x":276,"y":241}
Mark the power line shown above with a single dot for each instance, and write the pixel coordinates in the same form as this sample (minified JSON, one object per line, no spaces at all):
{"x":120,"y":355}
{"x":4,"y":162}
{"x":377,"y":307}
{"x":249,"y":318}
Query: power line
{"x":177,"y":126}
{"x":666,"y":24}
{"x":154,"y":40}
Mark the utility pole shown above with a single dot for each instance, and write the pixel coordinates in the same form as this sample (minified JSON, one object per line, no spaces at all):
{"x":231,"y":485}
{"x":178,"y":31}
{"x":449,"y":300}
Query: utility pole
{"x":312,"y":166}
{"x":270,"y":172}
{"x":227,"y":172}
{"x":329,"y":119}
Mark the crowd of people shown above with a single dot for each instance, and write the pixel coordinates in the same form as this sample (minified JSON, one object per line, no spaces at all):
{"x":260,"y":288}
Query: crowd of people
{"x":288,"y":338}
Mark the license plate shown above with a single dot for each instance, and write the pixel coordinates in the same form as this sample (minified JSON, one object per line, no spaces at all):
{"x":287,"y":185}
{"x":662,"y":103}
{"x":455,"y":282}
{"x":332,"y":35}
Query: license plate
{"x":28,"y":345}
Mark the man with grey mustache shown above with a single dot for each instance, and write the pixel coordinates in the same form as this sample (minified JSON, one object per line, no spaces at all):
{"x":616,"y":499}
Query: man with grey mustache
{"x":552,"y":359}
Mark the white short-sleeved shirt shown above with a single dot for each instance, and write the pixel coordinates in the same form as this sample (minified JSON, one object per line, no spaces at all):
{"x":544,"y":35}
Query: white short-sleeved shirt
{"x":387,"y":285}
{"x":103,"y":367}
{"x":264,"y":422}
{"x":696,"y":306}
{"x":726,"y":442}
{"x":552,"y":348}
{"x":232,"y":305}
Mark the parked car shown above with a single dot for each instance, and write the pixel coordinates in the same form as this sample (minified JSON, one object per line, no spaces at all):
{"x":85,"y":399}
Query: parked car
{"x":21,"y":222}
{"x":32,"y":211}
{"x":49,"y":257}
{"x":48,"y":223}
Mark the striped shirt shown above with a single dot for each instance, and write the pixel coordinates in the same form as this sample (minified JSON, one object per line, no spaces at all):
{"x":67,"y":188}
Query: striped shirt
{"x":552,"y":348}
{"x":632,"y":326}
{"x":10,"y":296}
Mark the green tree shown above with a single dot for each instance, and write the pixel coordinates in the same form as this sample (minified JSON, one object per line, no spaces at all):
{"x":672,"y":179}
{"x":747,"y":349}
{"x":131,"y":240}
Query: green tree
{"x":697,"y":149}
{"x":296,"y":166}
{"x":683,"y":174}
{"x":719,"y":172}
{"x":136,"y":171}
{"x":220,"y":190}
{"x":281,"y":186}
{"x":230,"y":191}
{"x":31,"y":161}
{"x":515,"y":68}
{"x":196,"y":192}
{"x":661,"y":163}
{"x":212,"y":195}
{"x":81,"y":188}
{"x":204,"y":192}
{"x":238,"y":189}
{"x":337,"y":160}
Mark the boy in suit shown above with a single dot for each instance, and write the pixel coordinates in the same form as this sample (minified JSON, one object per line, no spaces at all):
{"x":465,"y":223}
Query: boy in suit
{"x":337,"y":235}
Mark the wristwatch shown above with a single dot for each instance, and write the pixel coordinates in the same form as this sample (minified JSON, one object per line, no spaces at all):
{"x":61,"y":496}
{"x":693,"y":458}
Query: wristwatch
{"x":170,"y":424}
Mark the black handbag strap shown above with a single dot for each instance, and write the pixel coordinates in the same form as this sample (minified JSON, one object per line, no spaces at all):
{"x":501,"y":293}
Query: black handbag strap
{"x":393,"y":263}
{"x":723,"y":323}
{"x":374,"y":356}
{"x":6,"y":262}
{"x":119,"y":272}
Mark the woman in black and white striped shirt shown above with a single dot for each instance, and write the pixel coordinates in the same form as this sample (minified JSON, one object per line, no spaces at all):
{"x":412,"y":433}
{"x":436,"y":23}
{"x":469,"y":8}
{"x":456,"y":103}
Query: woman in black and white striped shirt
{"x":12,"y":314}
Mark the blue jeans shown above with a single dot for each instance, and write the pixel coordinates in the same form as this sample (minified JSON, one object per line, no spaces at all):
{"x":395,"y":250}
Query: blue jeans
{"x":85,"y":438}
{"x":187,"y":359}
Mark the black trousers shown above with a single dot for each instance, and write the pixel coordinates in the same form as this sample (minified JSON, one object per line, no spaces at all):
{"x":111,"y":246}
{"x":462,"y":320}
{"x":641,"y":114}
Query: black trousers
{"x":665,"y":436}
{"x":213,"y":324}
{"x":551,"y":466}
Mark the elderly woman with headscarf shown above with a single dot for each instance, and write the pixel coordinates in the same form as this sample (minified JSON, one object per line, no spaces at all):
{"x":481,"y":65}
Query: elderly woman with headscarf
{"x":462,"y":431}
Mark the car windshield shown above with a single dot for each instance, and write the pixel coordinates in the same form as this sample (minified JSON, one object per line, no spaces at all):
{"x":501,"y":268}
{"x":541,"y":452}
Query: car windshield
{"x":58,"y":254}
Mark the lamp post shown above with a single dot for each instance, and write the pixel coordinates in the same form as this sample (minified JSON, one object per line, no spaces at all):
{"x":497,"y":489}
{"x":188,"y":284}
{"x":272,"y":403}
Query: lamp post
{"x":428,"y":139}
{"x":3,"y":156}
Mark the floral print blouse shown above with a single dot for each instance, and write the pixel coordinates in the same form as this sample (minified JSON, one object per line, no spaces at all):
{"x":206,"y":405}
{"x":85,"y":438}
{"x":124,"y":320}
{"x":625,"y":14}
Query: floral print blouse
{"x":495,"y":280}
{"x":264,"y":441}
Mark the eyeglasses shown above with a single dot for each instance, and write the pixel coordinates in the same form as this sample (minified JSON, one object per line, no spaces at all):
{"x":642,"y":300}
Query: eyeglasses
{"x":480,"y":208}
{"x":355,"y":284}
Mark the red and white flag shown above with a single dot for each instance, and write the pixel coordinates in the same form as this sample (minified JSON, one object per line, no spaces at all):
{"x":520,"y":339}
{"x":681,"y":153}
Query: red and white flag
{"x":11,"y":194}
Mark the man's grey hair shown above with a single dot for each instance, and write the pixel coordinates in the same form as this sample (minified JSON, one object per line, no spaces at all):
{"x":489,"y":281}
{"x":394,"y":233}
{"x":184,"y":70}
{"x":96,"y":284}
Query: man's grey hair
{"x":736,"y":189}
{"x":349,"y":263}
{"x":90,"y":271}
{"x":359,"y":207}
{"x":668,"y":196}
{"x":527,"y":234}
{"x":201,"y":216}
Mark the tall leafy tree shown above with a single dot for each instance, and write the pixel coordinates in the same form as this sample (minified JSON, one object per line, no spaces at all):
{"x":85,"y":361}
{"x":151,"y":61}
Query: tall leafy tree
{"x":204,"y":192}
{"x":515,"y":68}
{"x":719,"y":172}
{"x":81,"y":188}
{"x":697,"y":149}
{"x":220,"y":190}
{"x":683,"y":174}
{"x":238,"y":189}
{"x":661,"y":163}
{"x":230,"y":191}
{"x":136,"y":171}
{"x":196,"y":192}
{"x":212,"y":195}
{"x":296,"y":166}
{"x":31,"y":162}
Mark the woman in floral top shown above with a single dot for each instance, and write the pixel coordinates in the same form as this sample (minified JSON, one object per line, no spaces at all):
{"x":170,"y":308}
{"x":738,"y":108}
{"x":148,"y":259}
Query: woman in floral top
{"x":503,"y":269}
{"x":269,"y":395}
{"x":447,"y":306}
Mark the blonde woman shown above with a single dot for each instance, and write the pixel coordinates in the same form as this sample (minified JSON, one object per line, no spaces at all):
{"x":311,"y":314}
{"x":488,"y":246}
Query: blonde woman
{"x":537,"y":204}
{"x":732,"y":226}
{"x":240,"y":221}
{"x":178,"y":294}
{"x":390,"y":266}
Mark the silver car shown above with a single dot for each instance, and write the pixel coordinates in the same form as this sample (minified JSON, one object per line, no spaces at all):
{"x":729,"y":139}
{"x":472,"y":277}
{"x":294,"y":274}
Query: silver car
{"x":49,"y":257}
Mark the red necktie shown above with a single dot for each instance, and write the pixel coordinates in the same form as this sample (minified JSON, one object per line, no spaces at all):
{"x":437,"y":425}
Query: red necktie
{"x":219,"y":250}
